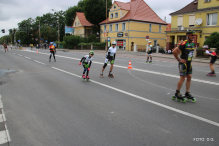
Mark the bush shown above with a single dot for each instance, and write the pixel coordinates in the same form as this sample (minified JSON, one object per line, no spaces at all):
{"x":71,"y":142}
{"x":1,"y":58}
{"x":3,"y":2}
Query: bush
{"x":71,"y":41}
{"x":213,"y":40}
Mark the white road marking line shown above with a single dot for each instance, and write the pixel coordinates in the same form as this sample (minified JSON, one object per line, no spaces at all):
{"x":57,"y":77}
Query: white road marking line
{"x":147,"y":100}
{"x":1,"y":105}
{"x":27,"y":57}
{"x":19,"y":55}
{"x":147,"y":71}
{"x":167,"y":88}
{"x":39,"y":62}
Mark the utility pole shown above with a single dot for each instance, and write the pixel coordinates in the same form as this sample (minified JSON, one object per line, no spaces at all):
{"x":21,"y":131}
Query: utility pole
{"x":39,"y":34}
{"x":106,"y":27}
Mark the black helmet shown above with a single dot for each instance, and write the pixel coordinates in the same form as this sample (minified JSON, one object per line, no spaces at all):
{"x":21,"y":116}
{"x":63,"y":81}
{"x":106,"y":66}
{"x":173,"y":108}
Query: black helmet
{"x":91,"y":52}
{"x":190,"y":32}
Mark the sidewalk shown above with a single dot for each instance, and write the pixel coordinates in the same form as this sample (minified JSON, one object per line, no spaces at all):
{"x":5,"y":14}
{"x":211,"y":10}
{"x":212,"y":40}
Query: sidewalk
{"x":169,"y":56}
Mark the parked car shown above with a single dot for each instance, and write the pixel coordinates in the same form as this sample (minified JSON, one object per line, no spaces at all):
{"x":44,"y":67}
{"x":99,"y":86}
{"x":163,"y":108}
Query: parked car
{"x":160,"y":50}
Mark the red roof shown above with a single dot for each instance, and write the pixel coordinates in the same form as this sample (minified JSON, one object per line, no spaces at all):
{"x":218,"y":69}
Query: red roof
{"x":82,"y":19}
{"x":192,"y":7}
{"x":168,"y":28}
{"x":138,"y":10}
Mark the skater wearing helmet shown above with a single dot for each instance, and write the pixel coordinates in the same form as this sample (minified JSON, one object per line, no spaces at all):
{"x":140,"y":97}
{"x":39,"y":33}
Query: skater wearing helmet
{"x":149,"y":51}
{"x":52,"y":51}
{"x":213,"y":59}
{"x":186,"y":51}
{"x":86,"y":62}
{"x":110,"y":57}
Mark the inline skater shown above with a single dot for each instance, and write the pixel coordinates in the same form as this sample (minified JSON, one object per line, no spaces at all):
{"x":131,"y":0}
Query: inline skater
{"x":186,"y":51}
{"x":213,"y":59}
{"x":85,"y":60}
{"x":52,"y":51}
{"x":5,"y":47}
{"x":110,"y":57}
{"x":149,"y":51}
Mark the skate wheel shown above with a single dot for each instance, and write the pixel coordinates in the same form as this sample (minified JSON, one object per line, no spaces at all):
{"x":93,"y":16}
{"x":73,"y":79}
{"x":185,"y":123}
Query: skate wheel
{"x":193,"y":100}
{"x":188,"y":99}
{"x":178,"y":100}
{"x":173,"y":97}
{"x":183,"y":100}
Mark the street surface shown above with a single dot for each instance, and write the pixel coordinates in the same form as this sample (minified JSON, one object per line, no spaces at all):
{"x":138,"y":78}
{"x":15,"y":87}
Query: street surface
{"x":48,"y":104}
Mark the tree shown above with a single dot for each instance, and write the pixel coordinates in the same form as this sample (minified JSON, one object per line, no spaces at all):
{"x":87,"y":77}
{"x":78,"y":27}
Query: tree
{"x":70,"y":12}
{"x":213,"y":40}
{"x":95,"y":12}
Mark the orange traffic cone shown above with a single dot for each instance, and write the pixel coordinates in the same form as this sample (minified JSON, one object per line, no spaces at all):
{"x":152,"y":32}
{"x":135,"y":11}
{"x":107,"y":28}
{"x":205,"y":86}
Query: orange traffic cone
{"x":37,"y":50}
{"x":130,"y":65}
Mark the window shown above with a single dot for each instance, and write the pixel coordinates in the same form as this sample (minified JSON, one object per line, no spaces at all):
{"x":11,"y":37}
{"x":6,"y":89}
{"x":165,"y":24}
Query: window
{"x":110,"y":28}
{"x":159,"y":28}
{"x":116,"y":15}
{"x":111,"y":15}
{"x":206,"y":38}
{"x":180,"y":21}
{"x":207,"y":1}
{"x":150,"y":26}
{"x":114,"y":7}
{"x":117,"y":27}
{"x":212,"y":19}
{"x":75,"y":23}
{"x":123,"y":26}
{"x":104,"y":28}
{"x":191,"y":20}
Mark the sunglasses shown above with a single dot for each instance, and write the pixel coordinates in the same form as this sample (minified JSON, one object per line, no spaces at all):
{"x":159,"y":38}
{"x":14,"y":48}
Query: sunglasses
{"x":191,"y":35}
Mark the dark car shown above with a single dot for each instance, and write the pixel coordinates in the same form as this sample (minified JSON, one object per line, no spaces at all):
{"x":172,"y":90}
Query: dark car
{"x":160,"y":50}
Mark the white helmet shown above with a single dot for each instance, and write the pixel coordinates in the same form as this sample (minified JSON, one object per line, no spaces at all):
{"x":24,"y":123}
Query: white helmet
{"x":114,"y":43}
{"x":149,"y":42}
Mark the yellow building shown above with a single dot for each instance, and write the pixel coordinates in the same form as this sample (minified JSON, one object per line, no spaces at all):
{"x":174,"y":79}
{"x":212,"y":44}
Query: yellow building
{"x":199,"y":15}
{"x":82,"y":27}
{"x":129,"y":24}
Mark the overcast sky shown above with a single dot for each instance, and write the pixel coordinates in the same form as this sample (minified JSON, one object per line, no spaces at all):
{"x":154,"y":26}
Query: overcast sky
{"x":14,"y":11}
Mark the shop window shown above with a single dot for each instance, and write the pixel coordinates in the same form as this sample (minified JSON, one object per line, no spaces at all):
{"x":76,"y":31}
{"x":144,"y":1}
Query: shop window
{"x":212,"y":19}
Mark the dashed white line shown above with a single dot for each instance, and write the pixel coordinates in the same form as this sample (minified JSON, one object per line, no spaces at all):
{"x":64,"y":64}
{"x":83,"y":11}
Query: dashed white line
{"x":27,"y":57}
{"x":147,"y":100}
{"x":39,"y":62}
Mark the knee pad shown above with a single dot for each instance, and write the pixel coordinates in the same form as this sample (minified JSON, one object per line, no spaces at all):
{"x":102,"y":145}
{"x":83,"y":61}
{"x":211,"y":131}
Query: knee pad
{"x":104,"y":66}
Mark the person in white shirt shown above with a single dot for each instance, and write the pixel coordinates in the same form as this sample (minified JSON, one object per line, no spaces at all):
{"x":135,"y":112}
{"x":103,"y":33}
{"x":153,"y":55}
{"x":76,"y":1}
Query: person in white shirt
{"x":149,"y":51}
{"x":110,"y":57}
{"x":87,"y":61}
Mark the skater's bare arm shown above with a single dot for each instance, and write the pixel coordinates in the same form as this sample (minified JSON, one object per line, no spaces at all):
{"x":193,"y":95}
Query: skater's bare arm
{"x":176,"y":52}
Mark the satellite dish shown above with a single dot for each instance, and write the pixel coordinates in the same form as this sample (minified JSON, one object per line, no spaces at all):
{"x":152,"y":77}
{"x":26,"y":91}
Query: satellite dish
{"x":198,"y":21}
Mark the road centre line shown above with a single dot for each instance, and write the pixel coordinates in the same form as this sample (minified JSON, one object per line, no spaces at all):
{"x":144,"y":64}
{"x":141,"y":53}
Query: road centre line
{"x":39,"y":62}
{"x":27,"y":57}
{"x":147,"y":100}
{"x":141,"y":70}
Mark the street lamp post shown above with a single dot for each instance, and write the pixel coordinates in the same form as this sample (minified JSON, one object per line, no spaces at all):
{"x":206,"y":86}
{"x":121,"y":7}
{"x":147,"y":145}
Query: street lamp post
{"x":58,"y":28}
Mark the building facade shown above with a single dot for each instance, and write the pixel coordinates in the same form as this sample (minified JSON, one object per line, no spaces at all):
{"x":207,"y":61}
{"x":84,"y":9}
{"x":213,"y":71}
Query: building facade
{"x":82,"y":27}
{"x":129,"y":24}
{"x":200,"y":16}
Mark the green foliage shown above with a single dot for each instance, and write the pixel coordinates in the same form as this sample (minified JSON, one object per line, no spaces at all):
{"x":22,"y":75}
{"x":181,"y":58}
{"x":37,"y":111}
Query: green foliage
{"x":70,"y":12}
{"x":71,"y":41}
{"x":213,"y":40}
{"x":95,"y":10}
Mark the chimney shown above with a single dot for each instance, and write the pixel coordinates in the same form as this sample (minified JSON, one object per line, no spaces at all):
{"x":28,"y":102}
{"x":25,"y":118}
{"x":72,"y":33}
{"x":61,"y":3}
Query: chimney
{"x":165,"y":18}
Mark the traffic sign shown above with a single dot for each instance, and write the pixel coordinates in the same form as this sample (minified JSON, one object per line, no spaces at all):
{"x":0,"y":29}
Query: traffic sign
{"x":147,"y":37}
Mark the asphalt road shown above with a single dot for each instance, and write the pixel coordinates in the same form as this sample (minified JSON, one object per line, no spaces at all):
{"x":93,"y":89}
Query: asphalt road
{"x":48,"y":104}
